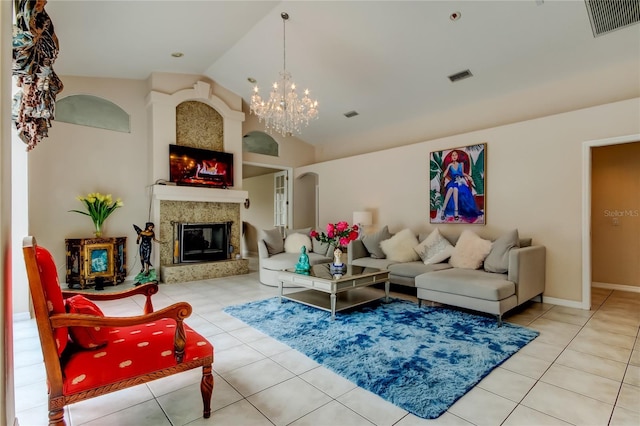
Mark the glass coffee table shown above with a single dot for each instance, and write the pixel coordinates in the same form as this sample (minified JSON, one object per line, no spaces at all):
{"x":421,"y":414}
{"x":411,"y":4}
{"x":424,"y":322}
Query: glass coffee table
{"x":334,"y":292}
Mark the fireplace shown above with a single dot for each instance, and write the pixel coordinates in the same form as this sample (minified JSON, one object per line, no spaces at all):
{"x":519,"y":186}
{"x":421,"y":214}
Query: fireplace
{"x":201,"y":242}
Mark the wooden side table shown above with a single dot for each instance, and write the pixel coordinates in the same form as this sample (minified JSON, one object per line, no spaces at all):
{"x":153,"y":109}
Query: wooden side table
{"x":91,"y":259}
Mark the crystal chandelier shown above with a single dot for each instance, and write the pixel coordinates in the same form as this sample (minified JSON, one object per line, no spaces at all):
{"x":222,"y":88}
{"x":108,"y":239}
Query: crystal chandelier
{"x":284,"y":111}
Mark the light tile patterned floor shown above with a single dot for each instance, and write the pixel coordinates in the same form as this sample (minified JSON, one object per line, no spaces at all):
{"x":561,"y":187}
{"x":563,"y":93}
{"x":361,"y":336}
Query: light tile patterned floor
{"x":584,"y":369}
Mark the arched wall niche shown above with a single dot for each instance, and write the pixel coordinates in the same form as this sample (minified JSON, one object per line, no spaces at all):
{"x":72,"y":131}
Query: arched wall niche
{"x":92,"y":111}
{"x":198,"y":125}
{"x":260,"y":143}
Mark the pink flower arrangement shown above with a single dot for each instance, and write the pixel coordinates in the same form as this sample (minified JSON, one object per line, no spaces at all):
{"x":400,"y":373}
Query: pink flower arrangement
{"x":338,"y":234}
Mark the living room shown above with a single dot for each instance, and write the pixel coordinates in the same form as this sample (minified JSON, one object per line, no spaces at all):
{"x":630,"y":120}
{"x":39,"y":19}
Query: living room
{"x":535,"y":172}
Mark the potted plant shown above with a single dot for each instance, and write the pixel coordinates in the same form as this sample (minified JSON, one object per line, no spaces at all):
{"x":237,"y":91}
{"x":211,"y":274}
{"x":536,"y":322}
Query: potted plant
{"x":99,"y":208}
{"x":338,"y":235}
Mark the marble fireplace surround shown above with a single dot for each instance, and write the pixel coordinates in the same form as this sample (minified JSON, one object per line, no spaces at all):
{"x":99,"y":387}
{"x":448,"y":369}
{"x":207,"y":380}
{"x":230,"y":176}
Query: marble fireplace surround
{"x":170,"y":203}
{"x":193,"y":204}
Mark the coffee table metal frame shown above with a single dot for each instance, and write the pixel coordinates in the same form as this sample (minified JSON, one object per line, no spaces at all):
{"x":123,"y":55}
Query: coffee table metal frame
{"x":345,"y":290}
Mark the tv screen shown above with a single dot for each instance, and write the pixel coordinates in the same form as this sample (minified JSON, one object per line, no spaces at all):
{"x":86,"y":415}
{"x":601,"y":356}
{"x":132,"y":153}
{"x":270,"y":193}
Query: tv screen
{"x":200,"y":167}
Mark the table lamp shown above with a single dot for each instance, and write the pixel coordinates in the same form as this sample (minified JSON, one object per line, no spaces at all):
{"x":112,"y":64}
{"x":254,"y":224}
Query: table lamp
{"x":362,"y":219}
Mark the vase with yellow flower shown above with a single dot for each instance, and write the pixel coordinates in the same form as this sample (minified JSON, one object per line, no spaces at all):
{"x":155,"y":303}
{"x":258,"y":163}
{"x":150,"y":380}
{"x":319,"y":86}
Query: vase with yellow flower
{"x":99,"y":208}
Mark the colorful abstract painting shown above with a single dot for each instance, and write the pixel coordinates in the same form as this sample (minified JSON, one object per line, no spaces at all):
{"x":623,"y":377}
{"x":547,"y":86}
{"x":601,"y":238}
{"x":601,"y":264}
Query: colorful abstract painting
{"x":457,"y":185}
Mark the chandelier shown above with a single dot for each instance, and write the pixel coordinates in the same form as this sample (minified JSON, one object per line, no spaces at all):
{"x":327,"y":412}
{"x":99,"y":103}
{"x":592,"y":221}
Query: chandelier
{"x":285,"y":111}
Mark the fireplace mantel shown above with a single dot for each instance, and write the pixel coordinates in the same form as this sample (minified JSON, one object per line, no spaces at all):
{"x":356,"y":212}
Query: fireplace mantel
{"x":174,"y":193}
{"x":193,"y":193}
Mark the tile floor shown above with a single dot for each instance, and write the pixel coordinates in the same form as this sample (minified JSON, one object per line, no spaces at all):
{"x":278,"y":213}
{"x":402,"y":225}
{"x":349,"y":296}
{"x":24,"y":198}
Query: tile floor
{"x":583,"y":369}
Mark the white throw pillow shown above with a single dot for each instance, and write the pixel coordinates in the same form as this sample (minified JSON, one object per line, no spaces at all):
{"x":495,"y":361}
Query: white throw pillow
{"x":434,"y":249}
{"x":470,"y":251}
{"x":294,"y":242}
{"x":399,"y":248}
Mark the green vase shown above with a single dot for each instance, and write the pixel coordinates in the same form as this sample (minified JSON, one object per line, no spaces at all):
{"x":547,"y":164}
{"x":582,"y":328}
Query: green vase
{"x":98,"y":231}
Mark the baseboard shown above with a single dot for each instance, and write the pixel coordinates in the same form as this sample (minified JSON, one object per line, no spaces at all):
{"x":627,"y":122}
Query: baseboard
{"x":563,"y":302}
{"x":621,"y":287}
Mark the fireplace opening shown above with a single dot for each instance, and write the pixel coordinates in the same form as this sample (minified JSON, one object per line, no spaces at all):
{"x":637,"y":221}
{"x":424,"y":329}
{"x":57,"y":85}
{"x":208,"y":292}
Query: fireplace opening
{"x":202,"y":242}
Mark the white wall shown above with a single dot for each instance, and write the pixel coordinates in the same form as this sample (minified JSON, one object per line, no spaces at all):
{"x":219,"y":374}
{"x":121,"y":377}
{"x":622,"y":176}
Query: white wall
{"x":533,"y":177}
{"x":533,"y":184}
{"x":260,"y":213}
{"x":7,"y":402}
{"x":75,"y":160}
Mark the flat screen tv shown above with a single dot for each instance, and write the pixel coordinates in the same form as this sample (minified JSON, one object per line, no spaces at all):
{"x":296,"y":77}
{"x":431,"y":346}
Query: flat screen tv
{"x":200,"y":167}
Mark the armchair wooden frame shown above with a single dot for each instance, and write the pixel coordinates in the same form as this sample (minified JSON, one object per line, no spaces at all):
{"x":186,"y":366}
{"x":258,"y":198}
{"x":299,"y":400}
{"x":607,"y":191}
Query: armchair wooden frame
{"x":46,"y":324}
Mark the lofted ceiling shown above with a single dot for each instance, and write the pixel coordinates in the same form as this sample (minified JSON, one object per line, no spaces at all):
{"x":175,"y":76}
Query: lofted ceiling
{"x":387,"y":60}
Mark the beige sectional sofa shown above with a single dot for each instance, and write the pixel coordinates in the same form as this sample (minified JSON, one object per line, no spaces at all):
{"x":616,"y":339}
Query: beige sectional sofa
{"x":468,"y":271}
{"x":277,"y":252}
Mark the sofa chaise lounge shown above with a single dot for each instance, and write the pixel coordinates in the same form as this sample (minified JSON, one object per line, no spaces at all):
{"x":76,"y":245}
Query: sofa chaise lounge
{"x":463,"y":270}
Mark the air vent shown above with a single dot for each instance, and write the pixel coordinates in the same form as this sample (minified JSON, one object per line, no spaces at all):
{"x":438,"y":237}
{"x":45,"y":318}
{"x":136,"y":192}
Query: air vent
{"x":460,"y":76}
{"x":350,"y":114}
{"x":611,"y":15}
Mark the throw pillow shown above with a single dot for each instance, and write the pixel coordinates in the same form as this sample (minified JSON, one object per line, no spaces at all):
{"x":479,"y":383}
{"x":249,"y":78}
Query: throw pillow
{"x":372,"y":242}
{"x":498,"y":258}
{"x":399,"y":248}
{"x":273,"y":239}
{"x":294,"y":242}
{"x":470,"y":251}
{"x":434,"y":249}
{"x":87,"y":337}
{"x":320,"y":247}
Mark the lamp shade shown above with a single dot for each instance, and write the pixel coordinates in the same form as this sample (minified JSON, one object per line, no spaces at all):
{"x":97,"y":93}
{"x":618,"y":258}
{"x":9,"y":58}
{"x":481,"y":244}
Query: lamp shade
{"x":363,"y":218}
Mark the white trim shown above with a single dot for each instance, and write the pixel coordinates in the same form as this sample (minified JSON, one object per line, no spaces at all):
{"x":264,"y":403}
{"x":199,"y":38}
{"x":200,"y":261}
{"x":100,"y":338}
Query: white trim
{"x":194,"y":193}
{"x":586,"y":209}
{"x":278,"y":169}
{"x":621,"y":287}
{"x":564,"y":302}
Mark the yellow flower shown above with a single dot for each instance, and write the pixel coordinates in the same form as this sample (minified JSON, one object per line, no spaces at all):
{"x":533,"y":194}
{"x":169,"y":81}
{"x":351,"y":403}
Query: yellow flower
{"x":98,"y":206}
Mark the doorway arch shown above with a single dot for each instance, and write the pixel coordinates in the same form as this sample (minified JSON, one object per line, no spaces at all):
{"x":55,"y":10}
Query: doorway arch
{"x":306,"y":194}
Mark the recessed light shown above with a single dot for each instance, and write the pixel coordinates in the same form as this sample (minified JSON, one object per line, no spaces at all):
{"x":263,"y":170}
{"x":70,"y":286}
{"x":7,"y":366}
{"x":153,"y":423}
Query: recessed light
{"x":251,"y":80}
{"x":455,"y":16}
{"x":177,"y":54}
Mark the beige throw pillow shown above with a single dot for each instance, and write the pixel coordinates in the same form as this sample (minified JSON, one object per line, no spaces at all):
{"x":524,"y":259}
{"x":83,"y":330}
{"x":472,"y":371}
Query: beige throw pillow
{"x":434,"y":249}
{"x":294,"y":242}
{"x":470,"y":251}
{"x":372,"y":242}
{"x":399,"y":248}
{"x":498,"y":259}
{"x":273,"y":240}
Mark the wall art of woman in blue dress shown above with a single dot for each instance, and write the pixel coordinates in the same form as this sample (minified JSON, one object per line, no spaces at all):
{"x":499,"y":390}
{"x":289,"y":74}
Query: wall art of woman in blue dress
{"x":457,"y":184}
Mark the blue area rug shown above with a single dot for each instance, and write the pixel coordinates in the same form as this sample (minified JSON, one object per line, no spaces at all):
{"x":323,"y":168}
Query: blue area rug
{"x":420,"y":359}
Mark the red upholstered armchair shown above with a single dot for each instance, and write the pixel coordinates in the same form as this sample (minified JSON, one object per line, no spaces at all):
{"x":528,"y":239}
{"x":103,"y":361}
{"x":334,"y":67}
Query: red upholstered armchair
{"x":87,"y":354}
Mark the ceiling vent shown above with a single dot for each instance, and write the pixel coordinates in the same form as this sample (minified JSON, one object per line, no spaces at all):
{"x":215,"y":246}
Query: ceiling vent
{"x":460,"y":76}
{"x":611,"y":15}
{"x":351,"y":114}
